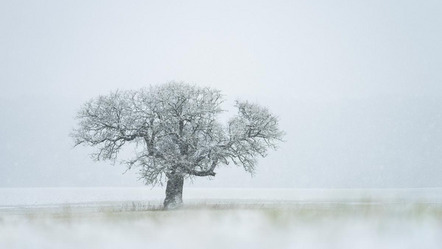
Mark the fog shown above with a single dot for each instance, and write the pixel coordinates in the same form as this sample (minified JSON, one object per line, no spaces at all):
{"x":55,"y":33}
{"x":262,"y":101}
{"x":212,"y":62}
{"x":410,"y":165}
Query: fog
{"x":356,"y":84}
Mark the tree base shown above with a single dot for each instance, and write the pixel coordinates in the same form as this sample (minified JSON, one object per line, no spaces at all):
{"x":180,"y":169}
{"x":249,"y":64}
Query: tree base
{"x":174,"y":192}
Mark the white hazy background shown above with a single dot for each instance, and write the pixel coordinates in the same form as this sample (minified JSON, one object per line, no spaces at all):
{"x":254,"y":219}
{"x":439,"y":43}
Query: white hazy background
{"x":357,"y":85}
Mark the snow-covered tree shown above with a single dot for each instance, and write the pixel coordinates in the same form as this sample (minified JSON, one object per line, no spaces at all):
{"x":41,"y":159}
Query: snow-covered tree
{"x":176,"y":133}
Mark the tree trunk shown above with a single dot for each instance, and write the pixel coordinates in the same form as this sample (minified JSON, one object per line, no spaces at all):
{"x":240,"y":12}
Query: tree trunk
{"x":174,"y":192}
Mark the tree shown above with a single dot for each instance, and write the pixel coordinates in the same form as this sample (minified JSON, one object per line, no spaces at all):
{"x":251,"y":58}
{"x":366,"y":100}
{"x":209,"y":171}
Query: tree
{"x":176,"y":133}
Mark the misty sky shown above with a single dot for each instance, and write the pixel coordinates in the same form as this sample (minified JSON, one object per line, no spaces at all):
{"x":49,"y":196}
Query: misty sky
{"x":357,"y":85}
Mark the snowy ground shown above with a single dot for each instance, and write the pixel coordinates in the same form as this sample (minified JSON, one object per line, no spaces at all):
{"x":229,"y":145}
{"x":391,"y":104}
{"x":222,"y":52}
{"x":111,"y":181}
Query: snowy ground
{"x":220,"y":218}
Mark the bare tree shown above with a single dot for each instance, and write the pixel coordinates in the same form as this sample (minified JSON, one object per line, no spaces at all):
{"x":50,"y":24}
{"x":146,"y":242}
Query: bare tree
{"x":176,"y":133}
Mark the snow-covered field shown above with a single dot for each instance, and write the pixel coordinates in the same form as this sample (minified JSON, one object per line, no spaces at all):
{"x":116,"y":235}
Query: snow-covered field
{"x":220,"y":218}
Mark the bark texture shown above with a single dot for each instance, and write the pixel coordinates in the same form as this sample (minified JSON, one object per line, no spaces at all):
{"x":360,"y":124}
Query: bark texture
{"x":174,"y":192}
